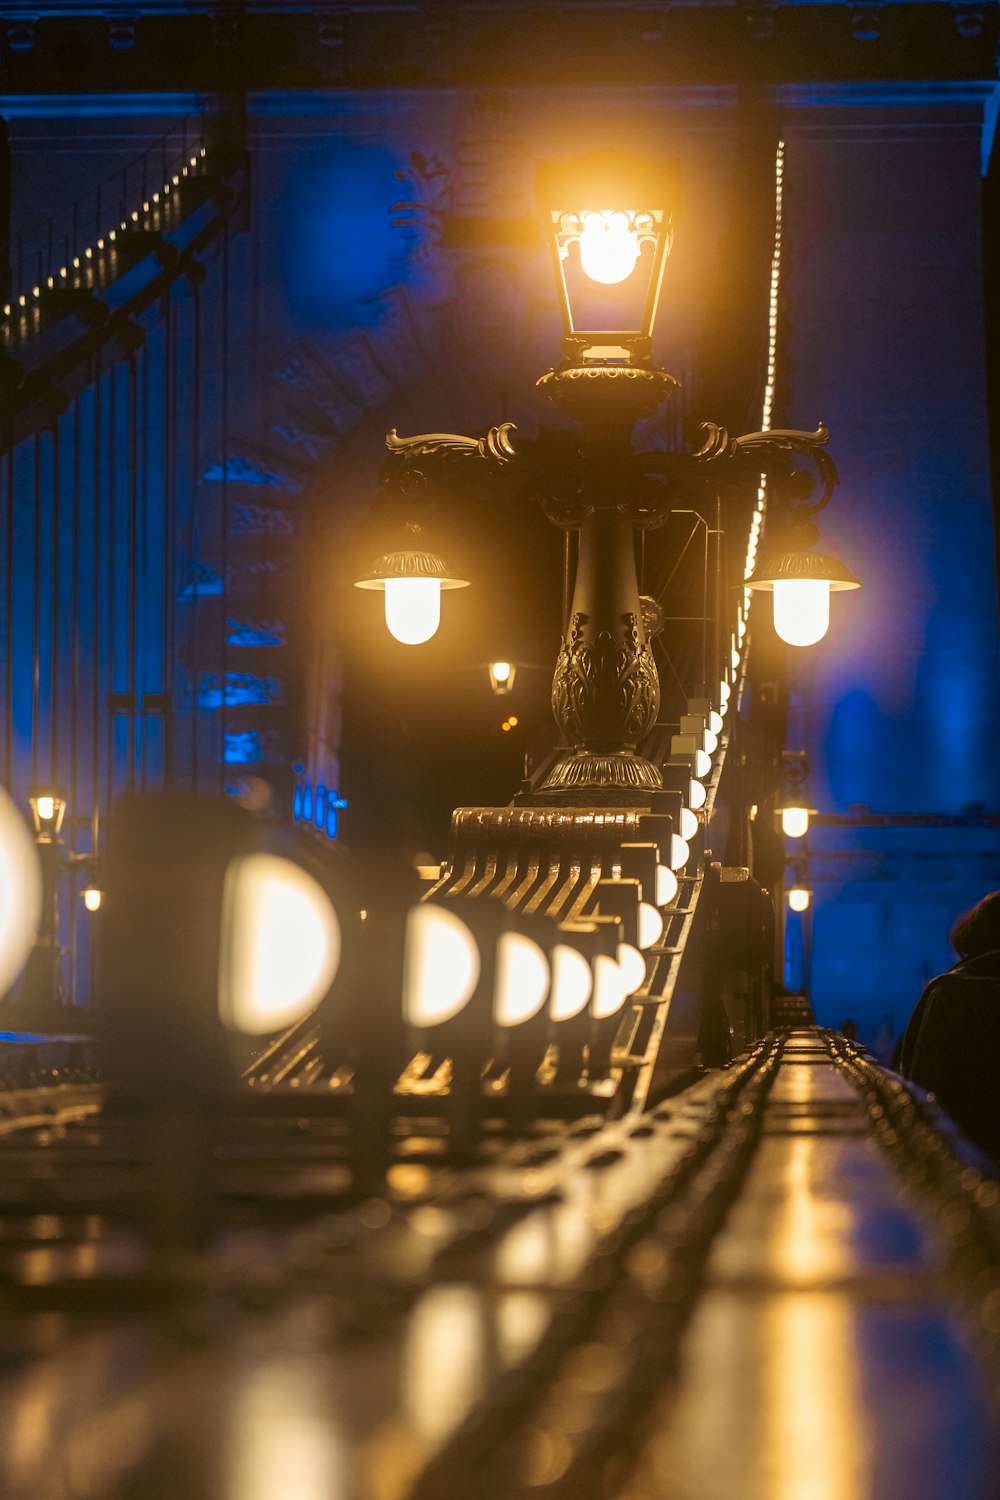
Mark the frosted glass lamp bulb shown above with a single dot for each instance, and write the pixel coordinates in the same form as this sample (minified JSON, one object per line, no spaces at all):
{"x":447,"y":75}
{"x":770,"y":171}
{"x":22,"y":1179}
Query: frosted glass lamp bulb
{"x":609,"y":249}
{"x":794,"y":821}
{"x":688,"y":824}
{"x":697,"y":794}
{"x":801,"y":610}
{"x":679,"y":852}
{"x":412,"y":609}
{"x":798,"y":898}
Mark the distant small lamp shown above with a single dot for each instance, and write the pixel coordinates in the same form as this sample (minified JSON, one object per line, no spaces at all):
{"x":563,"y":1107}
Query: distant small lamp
{"x":801,"y":579}
{"x":502,"y":674}
{"x":610,"y":227}
{"x":799,"y":898}
{"x":795,"y":821}
{"x":411,"y":579}
{"x":92,"y":897}
{"x":792,"y":808}
{"x":48,"y":808}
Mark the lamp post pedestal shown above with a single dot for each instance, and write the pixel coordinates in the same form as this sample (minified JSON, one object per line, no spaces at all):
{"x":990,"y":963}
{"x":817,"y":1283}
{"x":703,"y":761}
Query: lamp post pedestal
{"x":606,"y":690}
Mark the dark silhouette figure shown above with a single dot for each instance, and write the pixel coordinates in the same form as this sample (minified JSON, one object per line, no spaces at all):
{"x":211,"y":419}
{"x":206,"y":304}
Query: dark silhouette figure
{"x":952,"y":1042}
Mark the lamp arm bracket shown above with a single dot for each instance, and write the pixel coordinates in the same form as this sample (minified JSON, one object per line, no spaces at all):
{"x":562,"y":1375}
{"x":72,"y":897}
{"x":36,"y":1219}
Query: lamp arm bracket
{"x":780,"y":441}
{"x":495,"y":446}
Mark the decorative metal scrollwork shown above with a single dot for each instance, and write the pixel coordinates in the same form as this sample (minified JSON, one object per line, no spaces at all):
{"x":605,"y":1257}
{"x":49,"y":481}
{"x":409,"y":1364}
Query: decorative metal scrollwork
{"x":495,"y":445}
{"x":605,"y":690}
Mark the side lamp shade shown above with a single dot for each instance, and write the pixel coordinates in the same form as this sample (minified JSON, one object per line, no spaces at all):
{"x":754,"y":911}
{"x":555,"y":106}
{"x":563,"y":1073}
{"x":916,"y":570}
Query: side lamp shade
{"x":411,"y":580}
{"x":20,"y":892}
{"x":441,"y":965}
{"x":280,"y":945}
{"x":801,"y":582}
{"x":521,"y":983}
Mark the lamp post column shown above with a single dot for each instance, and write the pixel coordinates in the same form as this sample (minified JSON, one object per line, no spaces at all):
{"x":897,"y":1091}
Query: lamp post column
{"x":606,"y":690}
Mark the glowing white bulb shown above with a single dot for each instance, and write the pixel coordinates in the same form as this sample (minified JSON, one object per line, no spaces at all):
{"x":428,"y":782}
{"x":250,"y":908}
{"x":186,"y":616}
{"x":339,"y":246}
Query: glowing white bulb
{"x":609,"y":988}
{"x":46,"y":808}
{"x":572,"y":982}
{"x":92,"y":898}
{"x":794,"y":821}
{"x":280,"y":944}
{"x":734,"y":657}
{"x":679,"y":852}
{"x":702,"y":764}
{"x":798,"y":898}
{"x":440,"y":966}
{"x":20,"y":892}
{"x":697,"y":794}
{"x":501,"y":671}
{"x":688,"y":824}
{"x":724,"y":692}
{"x":711,"y":741}
{"x":633,"y":967}
{"x":412,"y":609}
{"x":715,"y":722}
{"x":801,"y":610}
{"x":522,"y":979}
{"x":666,"y":885}
{"x":609,"y":249}
{"x":650,"y":925}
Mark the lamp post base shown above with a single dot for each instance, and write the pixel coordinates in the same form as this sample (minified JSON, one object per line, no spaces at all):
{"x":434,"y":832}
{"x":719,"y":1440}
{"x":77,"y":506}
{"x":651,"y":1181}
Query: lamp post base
{"x":592,"y":770}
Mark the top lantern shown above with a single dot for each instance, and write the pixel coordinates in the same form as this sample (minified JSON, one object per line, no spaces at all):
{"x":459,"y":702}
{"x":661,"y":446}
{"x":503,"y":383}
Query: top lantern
{"x":609,"y":217}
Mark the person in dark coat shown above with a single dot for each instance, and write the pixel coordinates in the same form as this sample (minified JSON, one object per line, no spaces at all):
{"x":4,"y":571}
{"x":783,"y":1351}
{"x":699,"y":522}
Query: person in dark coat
{"x":951,"y":1046}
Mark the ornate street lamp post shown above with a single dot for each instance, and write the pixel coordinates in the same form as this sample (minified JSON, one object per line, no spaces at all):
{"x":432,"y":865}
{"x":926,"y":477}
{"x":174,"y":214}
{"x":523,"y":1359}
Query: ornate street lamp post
{"x":609,"y":221}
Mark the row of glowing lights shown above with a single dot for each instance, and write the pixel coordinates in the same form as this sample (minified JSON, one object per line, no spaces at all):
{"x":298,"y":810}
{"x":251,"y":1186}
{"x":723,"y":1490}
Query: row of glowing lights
{"x":281,"y":940}
{"x":105,"y":243}
{"x":794,"y":820}
{"x":772,"y":315}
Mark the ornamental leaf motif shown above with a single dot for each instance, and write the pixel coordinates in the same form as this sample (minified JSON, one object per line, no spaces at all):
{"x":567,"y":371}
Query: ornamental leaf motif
{"x":605,"y":691}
